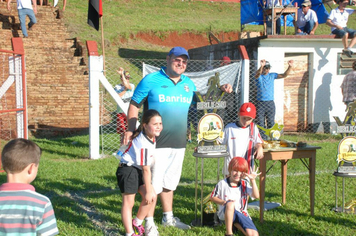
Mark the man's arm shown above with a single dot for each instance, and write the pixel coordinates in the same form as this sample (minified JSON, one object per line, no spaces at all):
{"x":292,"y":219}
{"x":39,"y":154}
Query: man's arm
{"x":315,"y":27}
{"x":34,"y":5}
{"x":287,"y":72}
{"x":132,"y":116}
{"x":259,"y":71}
{"x":331,"y":24}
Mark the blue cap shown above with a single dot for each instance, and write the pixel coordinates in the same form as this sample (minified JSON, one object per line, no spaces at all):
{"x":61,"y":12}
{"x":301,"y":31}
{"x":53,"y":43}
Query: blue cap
{"x":178,"y":51}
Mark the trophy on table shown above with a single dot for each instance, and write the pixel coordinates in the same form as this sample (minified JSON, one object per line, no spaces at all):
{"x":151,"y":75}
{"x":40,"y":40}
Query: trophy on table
{"x":211,"y":125}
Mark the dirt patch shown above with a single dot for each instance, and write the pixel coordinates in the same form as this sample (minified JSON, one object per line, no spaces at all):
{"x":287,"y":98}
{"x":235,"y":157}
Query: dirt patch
{"x":187,"y":40}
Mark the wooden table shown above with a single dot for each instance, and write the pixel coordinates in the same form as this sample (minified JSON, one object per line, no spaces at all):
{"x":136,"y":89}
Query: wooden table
{"x":284,"y":154}
{"x":277,"y":12}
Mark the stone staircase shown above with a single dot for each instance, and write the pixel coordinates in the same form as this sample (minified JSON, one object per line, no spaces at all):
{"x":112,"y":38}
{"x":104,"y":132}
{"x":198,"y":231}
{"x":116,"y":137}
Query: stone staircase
{"x":56,"y":72}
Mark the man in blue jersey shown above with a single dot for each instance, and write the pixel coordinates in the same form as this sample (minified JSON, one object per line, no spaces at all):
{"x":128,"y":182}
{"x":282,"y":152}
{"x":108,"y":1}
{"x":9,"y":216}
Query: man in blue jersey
{"x":265,"y":106}
{"x":170,"y":93}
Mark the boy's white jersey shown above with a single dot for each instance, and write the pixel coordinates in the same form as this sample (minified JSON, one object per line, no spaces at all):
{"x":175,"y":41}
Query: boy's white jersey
{"x":238,"y":140}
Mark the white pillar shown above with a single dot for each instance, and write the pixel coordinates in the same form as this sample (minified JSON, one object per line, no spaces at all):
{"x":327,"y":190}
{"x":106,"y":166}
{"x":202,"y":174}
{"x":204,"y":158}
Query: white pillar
{"x":245,"y":81}
{"x":95,"y":72}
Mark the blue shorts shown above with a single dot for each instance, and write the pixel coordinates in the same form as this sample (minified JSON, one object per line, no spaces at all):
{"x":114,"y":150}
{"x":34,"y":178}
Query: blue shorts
{"x":245,"y":221}
{"x":341,"y":33}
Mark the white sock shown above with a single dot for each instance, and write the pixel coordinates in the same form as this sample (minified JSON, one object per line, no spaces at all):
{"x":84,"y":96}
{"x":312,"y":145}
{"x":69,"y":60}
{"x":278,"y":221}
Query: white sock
{"x":167,"y":215}
{"x":149,"y":221}
{"x":129,"y":234}
{"x":138,"y":221}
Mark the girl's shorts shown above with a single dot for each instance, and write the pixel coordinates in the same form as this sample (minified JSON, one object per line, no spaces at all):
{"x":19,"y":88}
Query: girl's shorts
{"x":129,"y":178}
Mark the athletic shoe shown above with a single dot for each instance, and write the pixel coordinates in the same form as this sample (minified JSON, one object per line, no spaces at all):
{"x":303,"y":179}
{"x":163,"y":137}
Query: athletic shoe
{"x":175,"y":221}
{"x":151,"y":231}
{"x":347,"y":52}
{"x":139,"y":230}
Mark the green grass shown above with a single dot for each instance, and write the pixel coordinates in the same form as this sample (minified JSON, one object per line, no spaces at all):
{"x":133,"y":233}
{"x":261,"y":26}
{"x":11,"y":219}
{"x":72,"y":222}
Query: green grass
{"x":87,"y":201}
{"x":124,"y":19}
{"x":84,"y":193}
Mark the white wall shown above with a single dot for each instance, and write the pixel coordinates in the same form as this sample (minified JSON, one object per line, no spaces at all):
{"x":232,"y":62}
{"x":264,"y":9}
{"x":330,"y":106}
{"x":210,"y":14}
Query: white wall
{"x":323,"y":55}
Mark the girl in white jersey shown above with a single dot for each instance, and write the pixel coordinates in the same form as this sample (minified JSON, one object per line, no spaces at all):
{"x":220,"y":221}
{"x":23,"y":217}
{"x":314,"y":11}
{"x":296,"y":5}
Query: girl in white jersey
{"x":134,"y":175}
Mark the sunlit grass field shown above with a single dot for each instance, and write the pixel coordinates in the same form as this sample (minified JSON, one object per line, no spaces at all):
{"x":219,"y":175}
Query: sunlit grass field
{"x":87,"y":201}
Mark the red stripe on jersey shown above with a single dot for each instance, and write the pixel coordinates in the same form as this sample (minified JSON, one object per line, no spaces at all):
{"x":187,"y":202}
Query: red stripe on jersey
{"x":142,"y":156}
{"x":22,"y":198}
{"x":17,"y":225}
{"x":249,"y":149}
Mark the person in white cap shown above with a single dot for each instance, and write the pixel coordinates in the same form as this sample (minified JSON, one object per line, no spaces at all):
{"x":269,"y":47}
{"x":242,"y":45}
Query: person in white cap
{"x":337,"y":20}
{"x":170,"y":93}
{"x":307,"y":20}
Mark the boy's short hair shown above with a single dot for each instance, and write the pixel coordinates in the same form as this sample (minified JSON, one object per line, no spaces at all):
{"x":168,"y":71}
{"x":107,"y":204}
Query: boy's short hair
{"x":238,"y":164}
{"x":18,"y":154}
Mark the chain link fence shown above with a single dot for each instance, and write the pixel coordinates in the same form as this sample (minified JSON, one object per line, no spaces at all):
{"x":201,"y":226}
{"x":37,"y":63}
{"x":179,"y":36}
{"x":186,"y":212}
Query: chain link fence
{"x":295,"y":105}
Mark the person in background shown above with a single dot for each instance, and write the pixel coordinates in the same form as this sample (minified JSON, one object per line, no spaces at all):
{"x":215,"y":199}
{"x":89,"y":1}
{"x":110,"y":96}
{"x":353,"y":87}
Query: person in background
{"x":25,"y":8}
{"x":225,"y":60}
{"x":307,"y":20}
{"x":348,"y":90}
{"x":337,"y":20}
{"x":171,"y":94}
{"x":134,"y":175}
{"x":242,"y":138}
{"x":23,"y":211}
{"x":231,"y":194}
{"x":348,"y":86}
{"x":125,"y":91}
{"x":266,"y":108}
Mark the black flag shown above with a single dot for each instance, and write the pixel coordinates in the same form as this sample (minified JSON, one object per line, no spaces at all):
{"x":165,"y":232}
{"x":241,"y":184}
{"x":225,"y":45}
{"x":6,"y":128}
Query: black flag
{"x":95,"y":11}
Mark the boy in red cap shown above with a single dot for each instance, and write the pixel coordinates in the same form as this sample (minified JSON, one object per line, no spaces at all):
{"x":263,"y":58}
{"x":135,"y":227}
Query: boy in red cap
{"x":243,"y":138}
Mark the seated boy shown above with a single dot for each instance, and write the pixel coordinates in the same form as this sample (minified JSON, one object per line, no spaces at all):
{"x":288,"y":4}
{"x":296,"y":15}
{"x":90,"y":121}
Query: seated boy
{"x":231,"y":194}
{"x":243,"y":138}
{"x":22,"y":210}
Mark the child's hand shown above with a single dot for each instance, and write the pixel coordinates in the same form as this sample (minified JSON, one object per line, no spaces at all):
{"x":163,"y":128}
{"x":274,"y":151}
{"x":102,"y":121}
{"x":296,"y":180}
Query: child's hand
{"x":253,"y":173}
{"x":150,"y":197}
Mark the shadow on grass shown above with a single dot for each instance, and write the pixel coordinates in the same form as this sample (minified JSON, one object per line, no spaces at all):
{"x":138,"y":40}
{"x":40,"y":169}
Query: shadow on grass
{"x":291,"y":227}
{"x":91,"y":206}
{"x":64,"y":147}
{"x":134,"y":53}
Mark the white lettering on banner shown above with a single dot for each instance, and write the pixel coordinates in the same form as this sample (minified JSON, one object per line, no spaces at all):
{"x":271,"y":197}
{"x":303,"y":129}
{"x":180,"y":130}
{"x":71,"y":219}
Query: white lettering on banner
{"x":163,"y":98}
{"x":346,"y":129}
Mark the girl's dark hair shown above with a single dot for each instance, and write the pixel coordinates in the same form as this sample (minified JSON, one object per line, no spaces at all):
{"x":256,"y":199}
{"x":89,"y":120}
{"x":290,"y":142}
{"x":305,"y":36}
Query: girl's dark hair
{"x":146,"y":117}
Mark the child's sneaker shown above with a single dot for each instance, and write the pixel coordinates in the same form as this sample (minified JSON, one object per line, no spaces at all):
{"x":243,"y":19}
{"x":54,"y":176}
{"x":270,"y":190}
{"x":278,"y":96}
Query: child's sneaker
{"x":175,"y":221}
{"x":139,"y":230}
{"x":151,"y":230}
